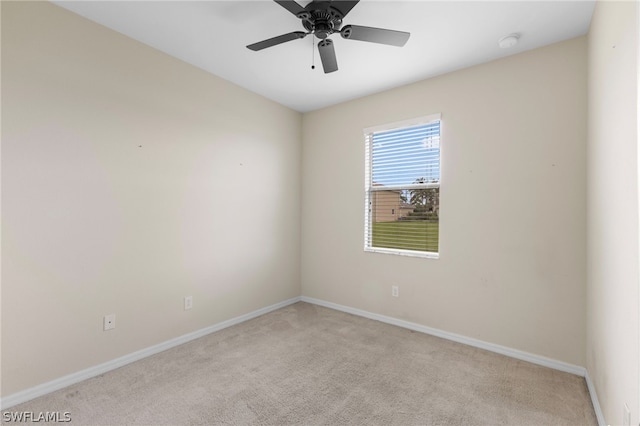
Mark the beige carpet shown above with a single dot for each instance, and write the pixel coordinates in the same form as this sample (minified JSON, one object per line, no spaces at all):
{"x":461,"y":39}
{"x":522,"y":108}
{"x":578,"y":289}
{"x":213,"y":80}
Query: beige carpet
{"x":308,"y":365}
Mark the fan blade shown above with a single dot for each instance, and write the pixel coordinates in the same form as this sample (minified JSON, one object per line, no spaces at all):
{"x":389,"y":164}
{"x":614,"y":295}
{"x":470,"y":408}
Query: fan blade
{"x":328,"y":56}
{"x":291,"y":6}
{"x":276,"y":40}
{"x":344,"y":6}
{"x":375,"y":35}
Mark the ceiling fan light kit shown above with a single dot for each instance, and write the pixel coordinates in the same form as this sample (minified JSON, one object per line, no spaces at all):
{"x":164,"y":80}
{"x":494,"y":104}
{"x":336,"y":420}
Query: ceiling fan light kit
{"x":322,"y":18}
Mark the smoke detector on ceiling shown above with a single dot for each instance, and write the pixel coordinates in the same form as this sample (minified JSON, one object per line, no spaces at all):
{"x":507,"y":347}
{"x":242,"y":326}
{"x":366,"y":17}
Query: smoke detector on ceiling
{"x":508,"y":41}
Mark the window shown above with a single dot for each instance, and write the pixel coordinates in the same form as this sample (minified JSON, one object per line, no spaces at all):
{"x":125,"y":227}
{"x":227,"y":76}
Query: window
{"x":402,"y":187}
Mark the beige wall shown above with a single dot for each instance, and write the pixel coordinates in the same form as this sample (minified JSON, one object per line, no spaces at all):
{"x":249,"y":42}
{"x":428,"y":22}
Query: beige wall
{"x":123,"y":170}
{"x":512,"y":207}
{"x":613,"y":356}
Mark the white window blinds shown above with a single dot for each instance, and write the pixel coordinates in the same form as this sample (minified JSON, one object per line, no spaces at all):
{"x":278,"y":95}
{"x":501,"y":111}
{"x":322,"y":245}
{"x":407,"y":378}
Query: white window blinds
{"x":402,"y":187}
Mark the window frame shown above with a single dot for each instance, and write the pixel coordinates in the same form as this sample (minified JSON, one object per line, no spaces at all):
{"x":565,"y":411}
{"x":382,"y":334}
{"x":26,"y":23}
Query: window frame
{"x":368,"y":228}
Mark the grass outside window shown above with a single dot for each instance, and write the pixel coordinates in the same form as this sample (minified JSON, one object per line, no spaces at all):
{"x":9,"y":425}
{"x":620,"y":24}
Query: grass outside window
{"x":406,"y":235}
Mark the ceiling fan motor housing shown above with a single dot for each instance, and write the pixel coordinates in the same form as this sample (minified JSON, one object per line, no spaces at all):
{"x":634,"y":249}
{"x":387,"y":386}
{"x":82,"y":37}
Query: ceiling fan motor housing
{"x":320,"y":19}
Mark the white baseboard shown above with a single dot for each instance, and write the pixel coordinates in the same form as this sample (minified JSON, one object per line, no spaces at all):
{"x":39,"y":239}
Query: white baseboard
{"x":62,"y":382}
{"x":88,"y":373}
{"x":503,"y":350}
{"x":594,"y":400}
{"x":513,"y":353}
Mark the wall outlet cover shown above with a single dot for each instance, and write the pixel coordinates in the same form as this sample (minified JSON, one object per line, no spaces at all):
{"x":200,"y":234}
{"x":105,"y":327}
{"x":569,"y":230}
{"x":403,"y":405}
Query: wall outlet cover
{"x":109,"y":322}
{"x":188,"y":302}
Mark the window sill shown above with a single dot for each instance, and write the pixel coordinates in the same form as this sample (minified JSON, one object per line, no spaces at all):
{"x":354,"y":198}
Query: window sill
{"x":399,"y":252}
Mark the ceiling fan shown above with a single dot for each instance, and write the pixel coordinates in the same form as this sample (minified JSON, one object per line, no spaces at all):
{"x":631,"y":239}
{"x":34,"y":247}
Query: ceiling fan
{"x":323,"y":18}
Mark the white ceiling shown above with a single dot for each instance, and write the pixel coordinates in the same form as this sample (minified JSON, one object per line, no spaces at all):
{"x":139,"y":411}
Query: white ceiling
{"x":445,"y":36}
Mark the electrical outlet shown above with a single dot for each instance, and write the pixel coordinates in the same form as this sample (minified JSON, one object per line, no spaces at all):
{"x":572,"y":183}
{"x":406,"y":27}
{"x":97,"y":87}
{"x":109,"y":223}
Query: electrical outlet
{"x":395,"y":291}
{"x":188,"y":302}
{"x":109,"y":322}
